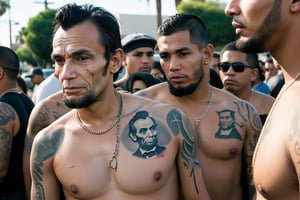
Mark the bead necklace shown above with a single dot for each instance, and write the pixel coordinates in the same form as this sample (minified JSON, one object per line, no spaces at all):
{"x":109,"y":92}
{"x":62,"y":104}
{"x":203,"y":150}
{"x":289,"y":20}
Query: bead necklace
{"x":113,"y":163}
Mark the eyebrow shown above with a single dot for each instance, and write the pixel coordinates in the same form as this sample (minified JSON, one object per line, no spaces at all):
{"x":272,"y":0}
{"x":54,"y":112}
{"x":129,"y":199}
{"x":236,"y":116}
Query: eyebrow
{"x":176,"y":51}
{"x":74,"y":53}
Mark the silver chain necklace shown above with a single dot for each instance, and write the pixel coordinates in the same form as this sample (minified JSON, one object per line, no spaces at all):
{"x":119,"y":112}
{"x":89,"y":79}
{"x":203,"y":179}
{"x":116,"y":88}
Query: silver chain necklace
{"x":198,"y":120}
{"x":106,"y":129}
{"x":113,"y":163}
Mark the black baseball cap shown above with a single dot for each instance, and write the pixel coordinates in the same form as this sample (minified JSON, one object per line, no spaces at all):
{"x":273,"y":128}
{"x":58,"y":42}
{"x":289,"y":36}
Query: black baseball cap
{"x":137,"y":40}
{"x":9,"y":59}
{"x":36,"y":71}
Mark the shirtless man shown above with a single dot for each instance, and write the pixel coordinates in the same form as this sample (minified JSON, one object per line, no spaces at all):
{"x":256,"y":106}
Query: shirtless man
{"x":237,"y":71}
{"x":42,"y":115}
{"x":274,"y":25}
{"x":185,"y":54}
{"x":88,"y":153}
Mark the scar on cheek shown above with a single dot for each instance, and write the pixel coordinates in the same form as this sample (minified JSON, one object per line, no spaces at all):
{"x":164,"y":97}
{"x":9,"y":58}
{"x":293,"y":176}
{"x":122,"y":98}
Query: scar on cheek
{"x":157,"y":176}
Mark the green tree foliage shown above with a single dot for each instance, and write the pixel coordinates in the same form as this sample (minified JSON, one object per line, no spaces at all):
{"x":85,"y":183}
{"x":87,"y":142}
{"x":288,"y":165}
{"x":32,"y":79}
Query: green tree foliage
{"x":217,"y":23}
{"x":3,"y":6}
{"x":25,"y":55}
{"x":38,"y":36}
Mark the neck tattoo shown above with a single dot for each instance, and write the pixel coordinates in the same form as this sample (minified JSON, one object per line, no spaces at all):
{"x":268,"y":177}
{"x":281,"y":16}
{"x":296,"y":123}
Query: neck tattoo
{"x":113,"y":163}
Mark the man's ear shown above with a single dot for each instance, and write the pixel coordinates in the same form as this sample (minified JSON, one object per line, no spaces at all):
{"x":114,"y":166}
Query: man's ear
{"x":254,"y":74}
{"x":208,"y":52}
{"x":295,"y":6}
{"x":117,"y":59}
{"x":1,"y":72}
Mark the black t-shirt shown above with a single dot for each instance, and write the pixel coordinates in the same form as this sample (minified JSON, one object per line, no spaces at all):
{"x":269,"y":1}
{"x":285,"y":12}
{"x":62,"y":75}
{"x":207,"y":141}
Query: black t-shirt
{"x":13,"y":182}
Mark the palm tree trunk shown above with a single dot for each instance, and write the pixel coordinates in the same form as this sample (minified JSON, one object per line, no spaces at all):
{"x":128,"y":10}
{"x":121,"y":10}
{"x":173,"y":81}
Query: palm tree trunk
{"x":158,"y":9}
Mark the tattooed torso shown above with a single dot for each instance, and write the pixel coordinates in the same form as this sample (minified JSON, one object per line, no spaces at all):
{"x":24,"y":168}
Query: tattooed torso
{"x":153,"y":139}
{"x":227,"y":136}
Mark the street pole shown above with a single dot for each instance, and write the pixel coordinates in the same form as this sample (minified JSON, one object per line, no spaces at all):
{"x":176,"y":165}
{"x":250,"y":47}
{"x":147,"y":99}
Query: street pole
{"x":9,"y":25}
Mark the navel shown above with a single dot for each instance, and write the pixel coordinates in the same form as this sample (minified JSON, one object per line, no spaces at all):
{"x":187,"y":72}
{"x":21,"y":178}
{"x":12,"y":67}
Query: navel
{"x":157,"y":176}
{"x":74,"y":189}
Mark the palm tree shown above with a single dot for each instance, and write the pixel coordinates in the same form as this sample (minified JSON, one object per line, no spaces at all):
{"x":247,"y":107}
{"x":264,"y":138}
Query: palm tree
{"x":4,"y":5}
{"x":158,"y":12}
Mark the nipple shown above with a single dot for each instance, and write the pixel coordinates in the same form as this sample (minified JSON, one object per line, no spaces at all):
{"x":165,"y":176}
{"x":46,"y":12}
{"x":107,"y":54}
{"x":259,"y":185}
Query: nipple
{"x":233,"y":151}
{"x":157,"y":176}
{"x":261,"y":190}
{"x":74,"y":189}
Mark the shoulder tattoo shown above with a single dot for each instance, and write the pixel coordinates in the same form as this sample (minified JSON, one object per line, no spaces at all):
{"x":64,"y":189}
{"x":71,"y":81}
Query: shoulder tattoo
{"x":43,"y":150}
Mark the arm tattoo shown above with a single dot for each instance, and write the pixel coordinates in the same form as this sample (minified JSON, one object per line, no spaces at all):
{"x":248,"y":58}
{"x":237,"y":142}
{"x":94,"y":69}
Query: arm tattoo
{"x":6,"y":114}
{"x":40,"y":122}
{"x":294,"y":135}
{"x":43,"y":150}
{"x":189,"y":147}
{"x":249,"y":114}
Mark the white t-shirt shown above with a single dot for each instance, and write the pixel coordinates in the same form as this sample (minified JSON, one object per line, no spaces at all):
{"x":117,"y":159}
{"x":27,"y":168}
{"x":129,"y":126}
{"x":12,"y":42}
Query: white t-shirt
{"x":48,"y":87}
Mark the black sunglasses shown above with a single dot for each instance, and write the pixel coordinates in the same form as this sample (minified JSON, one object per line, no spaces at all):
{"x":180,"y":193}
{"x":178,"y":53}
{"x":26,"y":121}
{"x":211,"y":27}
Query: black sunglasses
{"x":236,"y":66}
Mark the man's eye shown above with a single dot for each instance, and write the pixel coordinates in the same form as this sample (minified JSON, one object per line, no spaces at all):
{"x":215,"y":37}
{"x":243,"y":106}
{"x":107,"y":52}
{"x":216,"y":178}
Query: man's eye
{"x":82,"y":58}
{"x":59,"y":61}
{"x":183,"y":54}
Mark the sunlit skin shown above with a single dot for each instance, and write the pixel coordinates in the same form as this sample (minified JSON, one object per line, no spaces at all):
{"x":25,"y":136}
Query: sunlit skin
{"x":181,"y":62}
{"x":74,"y":61}
{"x":186,"y":66}
{"x":274,"y":26}
{"x":66,"y":156}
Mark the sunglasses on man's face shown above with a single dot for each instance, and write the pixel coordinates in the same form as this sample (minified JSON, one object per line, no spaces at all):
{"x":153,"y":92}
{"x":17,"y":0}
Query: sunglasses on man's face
{"x":236,"y":66}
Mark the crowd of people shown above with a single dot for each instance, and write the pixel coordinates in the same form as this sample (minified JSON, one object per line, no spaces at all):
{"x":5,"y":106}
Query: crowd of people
{"x":169,"y":117}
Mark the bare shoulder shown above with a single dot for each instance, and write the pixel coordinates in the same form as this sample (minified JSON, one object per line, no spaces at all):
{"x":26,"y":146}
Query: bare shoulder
{"x":46,"y":112}
{"x":263,"y":98}
{"x":136,"y":102}
{"x":247,"y":111}
{"x":159,"y":92}
{"x":9,"y":119}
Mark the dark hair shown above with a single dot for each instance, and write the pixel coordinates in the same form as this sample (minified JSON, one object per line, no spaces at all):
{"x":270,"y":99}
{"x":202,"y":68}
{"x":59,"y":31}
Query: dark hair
{"x":261,"y":71}
{"x":216,"y":55}
{"x":182,"y":22}
{"x":251,"y":58}
{"x":146,"y":77}
{"x":71,"y":14}
{"x":22,"y":84}
{"x":10,"y":62}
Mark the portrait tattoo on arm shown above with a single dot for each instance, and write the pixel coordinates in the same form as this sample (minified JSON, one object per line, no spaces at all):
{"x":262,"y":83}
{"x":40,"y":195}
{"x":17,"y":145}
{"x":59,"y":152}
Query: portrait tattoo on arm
{"x":189,"y":147}
{"x":44,"y":149}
